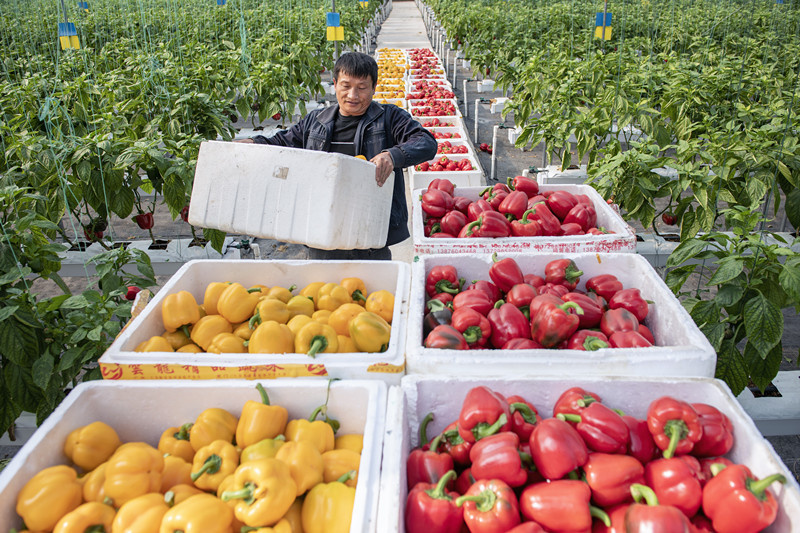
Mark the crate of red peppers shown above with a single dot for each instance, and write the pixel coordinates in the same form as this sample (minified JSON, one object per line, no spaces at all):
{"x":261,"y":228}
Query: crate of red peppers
{"x":462,"y":170}
{"x":549,"y":314}
{"x":520,"y":215}
{"x":601,"y":454}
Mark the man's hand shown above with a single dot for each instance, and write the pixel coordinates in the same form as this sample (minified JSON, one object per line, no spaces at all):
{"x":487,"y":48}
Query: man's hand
{"x":384,"y":166}
{"x":248,"y":140}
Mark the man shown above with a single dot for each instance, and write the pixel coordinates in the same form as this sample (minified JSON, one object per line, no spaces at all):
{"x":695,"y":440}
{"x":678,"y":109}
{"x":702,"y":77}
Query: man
{"x":383,"y":133}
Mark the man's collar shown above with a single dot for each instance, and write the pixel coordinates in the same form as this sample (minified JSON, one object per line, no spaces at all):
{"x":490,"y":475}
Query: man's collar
{"x":329,"y":114}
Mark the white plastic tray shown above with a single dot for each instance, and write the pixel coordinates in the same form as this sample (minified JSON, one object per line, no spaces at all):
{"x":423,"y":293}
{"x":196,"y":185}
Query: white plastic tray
{"x":443,"y":396}
{"x":622,"y":240}
{"x":121,"y":362}
{"x":142,"y":410}
{"x":681,"y":348}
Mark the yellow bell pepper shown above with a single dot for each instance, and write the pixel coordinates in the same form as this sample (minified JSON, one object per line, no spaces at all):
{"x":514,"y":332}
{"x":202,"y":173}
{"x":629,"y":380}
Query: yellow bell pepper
{"x":212,"y":424}
{"x":175,"y":441}
{"x":271,"y":337}
{"x":312,"y":290}
{"x":181,"y":492}
{"x":261,"y":287}
{"x":328,"y":508}
{"x":202,"y":311}
{"x":295,"y":516}
{"x":49,"y":495}
{"x":296,"y":323}
{"x":321,"y":316}
{"x":265,"y":491}
{"x":346,"y":345}
{"x":331,"y":296}
{"x":226,"y":484}
{"x":263,"y":449}
{"x":91,"y":445}
{"x":213,"y":463}
{"x":356,"y":288}
{"x":381,"y":303}
{"x":207,"y":328}
{"x":337,"y":463}
{"x":93,"y":482}
{"x":177,"y":471}
{"x":314,"y":338}
{"x":227,"y":343}
{"x":304,"y":462}
{"x":237,"y":304}
{"x":341,"y":317}
{"x":270,"y":309}
{"x":190,"y":348}
{"x":300,"y":305}
{"x":370,"y":332}
{"x":176,"y":339}
{"x":351,"y":441}
{"x":320,"y":432}
{"x":283,"y":526}
{"x":281,"y":293}
{"x":203,"y":513}
{"x":133,"y":470}
{"x":260,"y":420}
{"x":243,"y":331}
{"x":141,"y":515}
{"x":179,"y":310}
{"x":213,"y":291}
{"x":87,"y":517}
{"x":156,"y":343}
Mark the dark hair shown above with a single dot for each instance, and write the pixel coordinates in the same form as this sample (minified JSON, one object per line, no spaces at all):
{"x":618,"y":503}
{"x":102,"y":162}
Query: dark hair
{"x":358,"y":65}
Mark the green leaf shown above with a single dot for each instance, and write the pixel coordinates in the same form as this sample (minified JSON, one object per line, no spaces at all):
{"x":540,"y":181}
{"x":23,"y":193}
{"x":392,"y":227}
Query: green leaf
{"x":215,"y":237}
{"x":789,"y":278}
{"x":23,"y":392}
{"x":77,"y":301}
{"x":9,"y":411}
{"x":728,"y":268}
{"x":42,"y":370}
{"x":705,"y":312}
{"x":677,"y":276}
{"x":792,"y":207}
{"x":69,"y":358}
{"x":685,"y":250}
{"x":786,"y":173}
{"x":763,"y":323}
{"x":729,"y":294}
{"x":715,"y":333}
{"x":95,"y":334}
{"x":731,"y":367}
{"x":6,"y":312}
{"x":763,"y":367}
{"x":18,"y":342}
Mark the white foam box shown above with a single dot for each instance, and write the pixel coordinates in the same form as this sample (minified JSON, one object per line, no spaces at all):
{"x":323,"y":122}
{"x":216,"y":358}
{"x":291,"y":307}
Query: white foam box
{"x":623,"y":238}
{"x":444,"y":122}
{"x":443,"y":396}
{"x":460,"y":178}
{"x":681,"y":348}
{"x":142,"y":410}
{"x":323,"y":200}
{"x":120,"y":361}
{"x":440,"y":82}
{"x":486,"y":86}
{"x":457,"y":128}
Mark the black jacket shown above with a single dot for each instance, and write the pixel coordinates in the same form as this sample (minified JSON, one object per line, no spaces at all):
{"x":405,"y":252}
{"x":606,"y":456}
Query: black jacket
{"x":385,"y":127}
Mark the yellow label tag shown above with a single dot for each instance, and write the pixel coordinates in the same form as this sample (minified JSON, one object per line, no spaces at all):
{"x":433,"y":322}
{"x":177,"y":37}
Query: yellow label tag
{"x":386,"y":368}
{"x":174,"y":371}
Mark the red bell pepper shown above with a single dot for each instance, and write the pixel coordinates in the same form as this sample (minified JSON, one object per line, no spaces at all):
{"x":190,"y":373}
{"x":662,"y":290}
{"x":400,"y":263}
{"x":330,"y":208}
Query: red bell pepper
{"x":432,"y":226}
{"x":526,"y":227}
{"x":570,"y":228}
{"x":505,"y":273}
{"x":527,"y":527}
{"x":616,"y":514}
{"x":443,"y":184}
{"x":702,"y":524}
{"x":521,"y":295}
{"x":640,"y":441}
{"x":524,"y":417}
{"x":583,"y":215}
{"x":597,"y":231}
{"x":628,"y":339}
{"x":445,"y":297}
{"x":426,"y":465}
{"x":573,"y":401}
{"x":474,"y":299}
{"x":533,"y":280}
{"x":561,"y":506}
{"x":144,"y":220}
{"x":483,"y":413}
{"x":676,"y":482}
{"x":615,"y":320}
{"x":515,"y":204}
{"x":550,"y":223}
{"x":452,"y":222}
{"x":737,"y":501}
{"x":592,"y":311}
{"x":601,"y":428}
{"x":630,"y":299}
{"x":651,"y":517}
{"x":442,"y":278}
{"x":705,"y":467}
{"x":563,"y":272}
{"x":490,"y":506}
{"x":442,"y":235}
{"x":497,"y":457}
{"x":522,"y":344}
{"x":605,"y":285}
{"x":185,"y":213}
{"x":674,"y":424}
{"x":508,"y":323}
{"x":429,"y":507}
{"x":489,"y":224}
{"x":464,"y":481}
{"x":645,"y":332}
{"x":537,"y":199}
{"x":561,"y":202}
{"x":436,"y":315}
{"x":446,"y":337}
{"x":473,"y":326}
{"x":554,"y":289}
{"x":552,"y":324}
{"x":610,"y":477}
{"x":495,"y":194}
{"x":556,"y":448}
{"x":436,"y":202}
{"x":477,"y":207}
{"x":587,"y":340}
{"x":717,"y":436}
{"x":524,"y":184}
{"x":455,"y":446}
{"x":488,"y":287}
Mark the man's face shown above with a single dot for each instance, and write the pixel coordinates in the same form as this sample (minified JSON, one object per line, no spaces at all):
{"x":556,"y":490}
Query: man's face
{"x":353,"y":94}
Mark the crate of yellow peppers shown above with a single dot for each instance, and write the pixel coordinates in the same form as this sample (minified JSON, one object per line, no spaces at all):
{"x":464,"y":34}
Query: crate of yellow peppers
{"x":203,"y":456}
{"x":267,"y":319}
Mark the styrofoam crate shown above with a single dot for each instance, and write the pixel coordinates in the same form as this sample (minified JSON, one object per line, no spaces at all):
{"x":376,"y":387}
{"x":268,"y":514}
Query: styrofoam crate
{"x":120,"y":361}
{"x":555,"y":175}
{"x":623,"y":238}
{"x":437,"y":70}
{"x":444,"y":122}
{"x":486,"y":86}
{"x":456,"y":142}
{"x":407,"y":406}
{"x":440,"y":82}
{"x":399,"y":102}
{"x":461,"y":178}
{"x":461,"y":131}
{"x":681,"y":348}
{"x":324,"y":200}
{"x":498,"y":104}
{"x":142,"y":410}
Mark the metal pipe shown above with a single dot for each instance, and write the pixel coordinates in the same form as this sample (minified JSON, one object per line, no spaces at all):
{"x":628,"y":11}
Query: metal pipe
{"x":494,"y":150}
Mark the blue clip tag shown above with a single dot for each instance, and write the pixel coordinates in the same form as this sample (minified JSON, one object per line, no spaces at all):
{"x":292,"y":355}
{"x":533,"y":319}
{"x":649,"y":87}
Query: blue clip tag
{"x":598,"y":21}
{"x":84,"y":5}
{"x":66,"y":29}
{"x":222,"y":2}
{"x":333,"y":19}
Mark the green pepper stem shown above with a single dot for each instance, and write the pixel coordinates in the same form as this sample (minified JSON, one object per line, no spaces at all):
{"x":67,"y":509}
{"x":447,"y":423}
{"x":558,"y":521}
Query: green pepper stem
{"x":183,"y":431}
{"x":318,"y":344}
{"x":498,"y":304}
{"x":438,"y":492}
{"x":484,"y":430}
{"x":525,"y":215}
{"x":169,"y":498}
{"x":210,"y":466}
{"x":292,"y":288}
{"x":97,"y":528}
{"x":472,"y":334}
{"x":485,"y":500}
{"x":436,"y":441}
{"x":453,"y":438}
{"x":185,"y":329}
{"x":264,"y":396}
{"x":435,"y":305}
{"x":358,"y":295}
{"x":527,"y":413}
{"x":494,"y":257}
{"x":643,"y":492}
{"x":316,"y":412}
{"x":423,"y":429}
{"x":245,"y":493}
{"x":510,"y":184}
{"x":593,"y":343}
{"x":346,"y":477}
{"x":598,"y":513}
{"x":255,"y":318}
{"x":573,"y":475}
{"x":758,"y":487}
{"x":569,"y":417}
{"x":253,"y":289}
{"x":445,"y":285}
{"x":526,"y":460}
{"x":677,"y":431}
{"x":716,"y":468}
{"x":571,"y":305}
